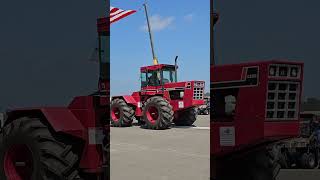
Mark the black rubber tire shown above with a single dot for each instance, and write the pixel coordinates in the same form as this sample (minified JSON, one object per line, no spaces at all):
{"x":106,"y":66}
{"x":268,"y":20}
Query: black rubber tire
{"x":284,"y":161}
{"x":255,"y":166}
{"x":52,"y":159}
{"x":186,"y":118}
{"x":308,"y":161}
{"x":165,"y":112}
{"x":263,"y":166}
{"x":126,"y":113}
{"x":262,"y":174}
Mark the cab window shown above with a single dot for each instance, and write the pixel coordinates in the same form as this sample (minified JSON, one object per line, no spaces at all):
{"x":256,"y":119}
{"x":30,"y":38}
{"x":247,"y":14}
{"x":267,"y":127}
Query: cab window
{"x":168,"y":76}
{"x":144,"y":81}
{"x":153,"y":78}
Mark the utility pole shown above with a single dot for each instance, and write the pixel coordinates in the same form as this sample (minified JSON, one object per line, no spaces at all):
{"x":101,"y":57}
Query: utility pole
{"x":155,"y":60}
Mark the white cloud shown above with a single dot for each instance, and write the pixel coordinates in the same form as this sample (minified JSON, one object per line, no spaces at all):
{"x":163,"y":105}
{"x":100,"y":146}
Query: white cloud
{"x":189,"y":17}
{"x":158,"y":23}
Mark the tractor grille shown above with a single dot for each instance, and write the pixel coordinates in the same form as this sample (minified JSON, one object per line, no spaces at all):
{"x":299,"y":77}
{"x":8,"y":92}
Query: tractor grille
{"x":198,"y":91}
{"x":282,"y":100}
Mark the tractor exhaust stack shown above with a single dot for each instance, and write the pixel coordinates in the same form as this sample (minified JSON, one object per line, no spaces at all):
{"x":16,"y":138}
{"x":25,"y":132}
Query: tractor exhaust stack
{"x":176,"y":67}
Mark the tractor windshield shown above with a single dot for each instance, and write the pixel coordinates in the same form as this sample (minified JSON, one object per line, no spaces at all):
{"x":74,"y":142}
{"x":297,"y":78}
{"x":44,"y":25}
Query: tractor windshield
{"x":168,"y":76}
{"x":150,"y":78}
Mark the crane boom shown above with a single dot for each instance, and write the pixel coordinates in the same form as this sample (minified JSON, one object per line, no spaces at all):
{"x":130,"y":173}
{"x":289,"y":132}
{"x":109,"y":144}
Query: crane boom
{"x":155,"y":60}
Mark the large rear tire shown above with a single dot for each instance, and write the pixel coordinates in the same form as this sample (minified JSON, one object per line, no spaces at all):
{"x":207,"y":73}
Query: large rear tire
{"x":29,"y":151}
{"x":121,"y":113}
{"x":157,"y":113}
{"x":255,"y":166}
{"x":186,"y":118}
{"x":308,"y":160}
{"x":284,"y":161}
{"x":264,"y":166}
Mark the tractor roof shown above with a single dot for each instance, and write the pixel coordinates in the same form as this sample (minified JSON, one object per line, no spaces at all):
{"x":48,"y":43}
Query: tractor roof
{"x":155,"y":67}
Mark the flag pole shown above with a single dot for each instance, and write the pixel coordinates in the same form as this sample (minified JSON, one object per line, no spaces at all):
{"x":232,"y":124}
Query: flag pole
{"x":155,"y":60}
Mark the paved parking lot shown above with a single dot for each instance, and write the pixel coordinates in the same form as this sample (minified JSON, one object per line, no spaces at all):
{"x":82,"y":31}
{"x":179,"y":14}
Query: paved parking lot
{"x":299,"y":174}
{"x":172,"y":154}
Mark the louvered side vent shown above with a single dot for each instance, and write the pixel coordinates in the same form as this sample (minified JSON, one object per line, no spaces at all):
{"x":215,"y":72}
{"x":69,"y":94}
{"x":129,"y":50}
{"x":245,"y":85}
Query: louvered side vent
{"x":198,"y":91}
{"x":282,"y":100}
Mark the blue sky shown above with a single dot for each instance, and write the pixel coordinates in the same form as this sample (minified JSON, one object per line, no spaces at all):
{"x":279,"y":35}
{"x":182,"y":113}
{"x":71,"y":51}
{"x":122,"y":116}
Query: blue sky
{"x":181,"y":28}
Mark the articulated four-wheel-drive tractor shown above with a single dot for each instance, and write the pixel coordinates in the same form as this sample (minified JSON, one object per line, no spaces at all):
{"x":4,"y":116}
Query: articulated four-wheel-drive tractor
{"x":61,"y":143}
{"x":162,"y":100}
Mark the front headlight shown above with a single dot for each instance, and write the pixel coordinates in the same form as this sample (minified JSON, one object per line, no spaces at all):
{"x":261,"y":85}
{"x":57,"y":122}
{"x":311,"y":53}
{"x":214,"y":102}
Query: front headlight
{"x":181,"y":94}
{"x":294,"y":72}
{"x":272,"y":71}
{"x":198,"y":84}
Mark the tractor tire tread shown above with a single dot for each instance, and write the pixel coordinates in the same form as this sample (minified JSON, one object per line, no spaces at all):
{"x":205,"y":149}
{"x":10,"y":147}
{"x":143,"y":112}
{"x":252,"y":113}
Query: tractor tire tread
{"x":166,"y":112}
{"x":56,"y":158}
{"x":187,"y":118}
{"x":128,"y":113}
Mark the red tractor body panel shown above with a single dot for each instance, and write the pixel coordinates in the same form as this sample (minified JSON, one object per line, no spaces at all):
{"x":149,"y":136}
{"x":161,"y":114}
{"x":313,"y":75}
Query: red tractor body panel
{"x":56,"y":116}
{"x":261,"y":113}
{"x":81,"y":119}
{"x":129,"y":99}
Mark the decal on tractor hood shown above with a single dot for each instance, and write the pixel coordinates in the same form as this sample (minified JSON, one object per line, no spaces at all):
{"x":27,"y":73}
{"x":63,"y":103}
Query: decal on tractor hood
{"x":251,"y":79}
{"x":181,"y":104}
{"x":227,"y":136}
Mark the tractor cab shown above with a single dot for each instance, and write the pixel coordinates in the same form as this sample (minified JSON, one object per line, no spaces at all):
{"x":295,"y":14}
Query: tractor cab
{"x":158,"y":75}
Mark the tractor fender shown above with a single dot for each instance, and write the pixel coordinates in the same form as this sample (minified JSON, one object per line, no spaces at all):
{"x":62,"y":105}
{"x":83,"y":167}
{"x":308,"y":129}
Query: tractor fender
{"x":127,"y":99}
{"x":60,"y":119}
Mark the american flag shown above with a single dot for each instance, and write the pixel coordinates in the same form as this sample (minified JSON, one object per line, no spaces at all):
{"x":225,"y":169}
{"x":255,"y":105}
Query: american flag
{"x":116,"y":14}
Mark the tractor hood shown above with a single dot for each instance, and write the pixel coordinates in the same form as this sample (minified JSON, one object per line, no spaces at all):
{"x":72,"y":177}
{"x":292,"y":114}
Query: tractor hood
{"x":184,"y":85}
{"x":185,"y":94}
{"x":192,"y":89}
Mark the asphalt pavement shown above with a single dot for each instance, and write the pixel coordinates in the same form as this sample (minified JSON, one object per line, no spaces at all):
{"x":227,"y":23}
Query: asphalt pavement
{"x":299,"y":174}
{"x":179,"y":153}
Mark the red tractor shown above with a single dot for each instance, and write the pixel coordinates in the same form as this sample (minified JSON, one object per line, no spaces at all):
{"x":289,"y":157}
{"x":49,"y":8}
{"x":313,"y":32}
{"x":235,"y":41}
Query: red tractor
{"x":57,"y":143}
{"x":162,"y":99}
{"x":254,"y":107}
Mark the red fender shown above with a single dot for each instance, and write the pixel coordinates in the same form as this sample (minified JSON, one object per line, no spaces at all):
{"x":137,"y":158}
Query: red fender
{"x":127,"y":99}
{"x":61,"y":119}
